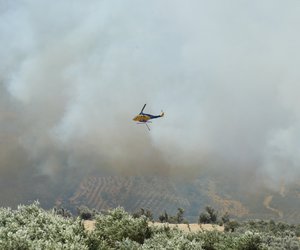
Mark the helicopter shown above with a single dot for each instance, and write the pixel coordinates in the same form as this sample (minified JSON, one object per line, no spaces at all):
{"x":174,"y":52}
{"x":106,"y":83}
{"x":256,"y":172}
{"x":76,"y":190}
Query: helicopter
{"x":143,"y":118}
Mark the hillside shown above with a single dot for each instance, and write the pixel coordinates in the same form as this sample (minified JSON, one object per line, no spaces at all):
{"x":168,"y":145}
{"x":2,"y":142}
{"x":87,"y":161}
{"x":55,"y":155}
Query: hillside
{"x":161,"y":193}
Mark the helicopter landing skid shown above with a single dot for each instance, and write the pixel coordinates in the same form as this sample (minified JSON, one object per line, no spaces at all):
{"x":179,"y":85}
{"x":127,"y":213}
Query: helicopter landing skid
{"x":145,"y":124}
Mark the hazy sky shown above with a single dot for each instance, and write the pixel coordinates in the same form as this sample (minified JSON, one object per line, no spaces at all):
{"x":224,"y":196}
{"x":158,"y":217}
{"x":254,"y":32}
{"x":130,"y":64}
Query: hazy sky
{"x":74,"y":73}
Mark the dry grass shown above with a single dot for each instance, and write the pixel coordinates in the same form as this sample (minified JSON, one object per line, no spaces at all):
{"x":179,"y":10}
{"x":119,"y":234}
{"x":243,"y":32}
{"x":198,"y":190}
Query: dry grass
{"x":90,"y":225}
{"x":190,"y":227}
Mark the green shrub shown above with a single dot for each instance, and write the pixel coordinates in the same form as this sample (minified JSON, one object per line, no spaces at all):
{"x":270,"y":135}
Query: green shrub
{"x":127,"y":244}
{"x":173,"y":239}
{"x":230,"y":226}
{"x":118,"y":225}
{"x":215,"y":240}
{"x":273,"y":235}
{"x":249,"y":241}
{"x":31,"y":227}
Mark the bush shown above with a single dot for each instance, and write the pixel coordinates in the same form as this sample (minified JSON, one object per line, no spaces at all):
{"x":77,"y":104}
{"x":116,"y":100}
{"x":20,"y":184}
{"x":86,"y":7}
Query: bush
{"x":215,"y":240}
{"x":31,"y":227}
{"x":118,"y":225}
{"x":249,"y":241}
{"x":273,"y":235}
{"x":173,"y":239}
{"x":230,"y":226}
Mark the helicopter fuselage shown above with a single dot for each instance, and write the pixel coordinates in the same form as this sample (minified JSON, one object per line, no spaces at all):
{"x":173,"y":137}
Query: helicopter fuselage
{"x":142,"y":118}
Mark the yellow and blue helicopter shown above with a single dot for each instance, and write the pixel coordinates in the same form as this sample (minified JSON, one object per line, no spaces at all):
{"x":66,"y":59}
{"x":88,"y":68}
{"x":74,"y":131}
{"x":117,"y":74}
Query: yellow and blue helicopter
{"x":143,"y":118}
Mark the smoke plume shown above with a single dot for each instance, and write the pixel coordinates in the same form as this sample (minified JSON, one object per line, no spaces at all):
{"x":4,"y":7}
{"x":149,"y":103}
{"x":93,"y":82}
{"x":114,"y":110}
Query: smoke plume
{"x":73,"y":74}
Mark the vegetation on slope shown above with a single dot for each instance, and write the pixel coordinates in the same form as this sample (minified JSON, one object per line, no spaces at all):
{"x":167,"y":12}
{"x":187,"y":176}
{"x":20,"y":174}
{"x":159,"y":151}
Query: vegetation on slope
{"x":31,"y":227}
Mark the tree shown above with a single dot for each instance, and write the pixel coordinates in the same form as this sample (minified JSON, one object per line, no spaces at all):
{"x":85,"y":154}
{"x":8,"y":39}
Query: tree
{"x":225,"y":218}
{"x":147,"y":213}
{"x":164,"y":217}
{"x":204,"y":218}
{"x":179,"y":215}
{"x":85,"y":213}
{"x":62,"y":212}
{"x":209,"y":216}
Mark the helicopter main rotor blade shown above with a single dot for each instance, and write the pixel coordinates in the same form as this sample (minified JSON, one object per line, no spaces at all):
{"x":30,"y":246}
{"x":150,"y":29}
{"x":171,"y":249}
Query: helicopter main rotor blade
{"x":147,"y":126}
{"x":143,"y":109}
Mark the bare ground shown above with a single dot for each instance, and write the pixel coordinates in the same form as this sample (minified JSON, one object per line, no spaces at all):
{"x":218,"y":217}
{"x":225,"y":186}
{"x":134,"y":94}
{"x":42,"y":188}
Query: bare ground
{"x":90,"y":225}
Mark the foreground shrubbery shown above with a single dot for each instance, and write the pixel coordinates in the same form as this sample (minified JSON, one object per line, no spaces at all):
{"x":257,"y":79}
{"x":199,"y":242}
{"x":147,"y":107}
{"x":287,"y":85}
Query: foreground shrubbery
{"x":117,"y":225}
{"x":31,"y":227}
{"x":273,"y":235}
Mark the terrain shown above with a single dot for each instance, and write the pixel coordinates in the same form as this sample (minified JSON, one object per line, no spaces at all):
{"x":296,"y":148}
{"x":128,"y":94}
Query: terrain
{"x":160,"y":194}
{"x":90,"y":225}
{"x":31,"y":227}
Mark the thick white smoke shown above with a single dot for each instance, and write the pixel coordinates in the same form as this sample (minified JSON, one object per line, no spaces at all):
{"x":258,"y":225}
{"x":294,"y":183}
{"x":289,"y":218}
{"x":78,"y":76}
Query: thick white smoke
{"x":74,"y":73}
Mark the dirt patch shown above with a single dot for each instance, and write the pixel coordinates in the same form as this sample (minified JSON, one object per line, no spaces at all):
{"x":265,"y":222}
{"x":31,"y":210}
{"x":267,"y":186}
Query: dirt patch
{"x":90,"y":225}
{"x":190,"y":227}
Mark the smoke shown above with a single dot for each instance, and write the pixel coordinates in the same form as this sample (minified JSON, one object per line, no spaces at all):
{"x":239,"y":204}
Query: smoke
{"x":74,"y":73}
